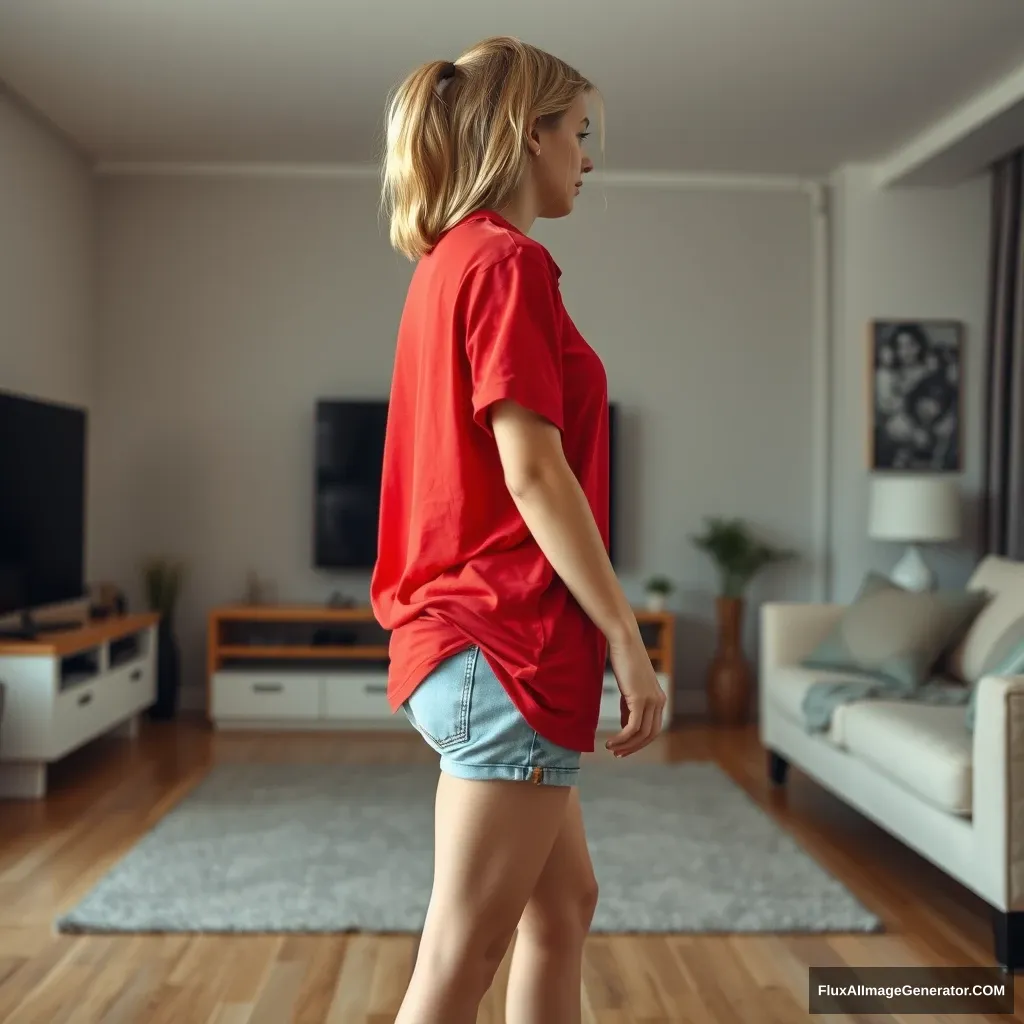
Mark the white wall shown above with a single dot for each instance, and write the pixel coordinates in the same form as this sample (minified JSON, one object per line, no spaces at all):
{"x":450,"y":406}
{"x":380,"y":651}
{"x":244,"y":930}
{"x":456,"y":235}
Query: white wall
{"x":47,"y":262}
{"x":228,"y":306}
{"x":901,"y":253}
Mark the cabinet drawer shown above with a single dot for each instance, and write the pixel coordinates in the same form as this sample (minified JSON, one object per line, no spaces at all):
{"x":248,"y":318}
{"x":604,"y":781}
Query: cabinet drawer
{"x":81,"y":713}
{"x":266,"y":695}
{"x":356,"y":695}
{"x":134,"y":686}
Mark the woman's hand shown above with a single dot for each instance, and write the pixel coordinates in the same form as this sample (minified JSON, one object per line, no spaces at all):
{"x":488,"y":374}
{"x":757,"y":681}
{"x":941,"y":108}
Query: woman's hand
{"x":643,"y":700}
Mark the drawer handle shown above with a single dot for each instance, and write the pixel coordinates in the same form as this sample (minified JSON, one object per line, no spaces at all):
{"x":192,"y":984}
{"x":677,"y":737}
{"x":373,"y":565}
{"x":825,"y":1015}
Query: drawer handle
{"x":136,"y":675}
{"x":267,"y":687}
{"x":611,"y":689}
{"x":375,"y":688}
{"x":85,"y":698}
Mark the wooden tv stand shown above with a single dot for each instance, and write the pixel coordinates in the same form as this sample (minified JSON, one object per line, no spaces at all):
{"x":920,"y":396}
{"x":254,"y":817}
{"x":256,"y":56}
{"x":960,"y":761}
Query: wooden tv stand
{"x":324,"y":668}
{"x":65,"y":688}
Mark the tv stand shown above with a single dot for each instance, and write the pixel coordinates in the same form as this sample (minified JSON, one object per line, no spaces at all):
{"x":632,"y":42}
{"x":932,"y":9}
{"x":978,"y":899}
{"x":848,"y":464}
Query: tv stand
{"x":326,"y":668}
{"x":66,"y":687}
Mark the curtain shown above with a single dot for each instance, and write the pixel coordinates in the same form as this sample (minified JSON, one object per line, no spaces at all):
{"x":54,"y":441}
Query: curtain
{"x":1002,"y":513}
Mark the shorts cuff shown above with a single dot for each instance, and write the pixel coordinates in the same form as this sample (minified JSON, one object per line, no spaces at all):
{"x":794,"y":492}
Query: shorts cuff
{"x":510,"y":773}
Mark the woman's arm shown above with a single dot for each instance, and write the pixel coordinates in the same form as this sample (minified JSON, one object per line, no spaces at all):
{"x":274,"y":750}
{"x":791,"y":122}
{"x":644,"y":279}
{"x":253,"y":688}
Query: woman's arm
{"x":556,"y":512}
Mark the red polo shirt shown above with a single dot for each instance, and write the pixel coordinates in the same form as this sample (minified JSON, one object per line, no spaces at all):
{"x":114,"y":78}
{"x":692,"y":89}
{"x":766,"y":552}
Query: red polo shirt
{"x":484,"y":321}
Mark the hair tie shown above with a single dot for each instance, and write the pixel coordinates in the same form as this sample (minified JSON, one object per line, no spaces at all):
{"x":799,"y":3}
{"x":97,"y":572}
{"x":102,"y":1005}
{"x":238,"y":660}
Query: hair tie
{"x":447,"y":73}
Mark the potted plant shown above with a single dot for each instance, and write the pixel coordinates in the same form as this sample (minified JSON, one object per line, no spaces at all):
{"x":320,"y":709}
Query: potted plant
{"x":738,"y":556}
{"x":162,"y":578}
{"x":657,"y":590}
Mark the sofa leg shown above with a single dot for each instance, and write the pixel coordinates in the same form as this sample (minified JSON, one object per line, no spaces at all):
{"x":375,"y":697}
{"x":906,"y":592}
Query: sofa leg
{"x":1009,"y":939}
{"x":777,"y":766}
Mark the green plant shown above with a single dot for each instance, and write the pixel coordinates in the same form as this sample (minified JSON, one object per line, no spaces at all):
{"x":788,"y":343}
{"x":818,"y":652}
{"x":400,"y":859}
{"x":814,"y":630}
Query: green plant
{"x":738,"y":555}
{"x":659,"y":585}
{"x":162,"y":577}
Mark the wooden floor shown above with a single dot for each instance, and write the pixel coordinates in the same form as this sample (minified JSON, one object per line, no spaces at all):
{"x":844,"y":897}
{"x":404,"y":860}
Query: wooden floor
{"x":104,"y":797}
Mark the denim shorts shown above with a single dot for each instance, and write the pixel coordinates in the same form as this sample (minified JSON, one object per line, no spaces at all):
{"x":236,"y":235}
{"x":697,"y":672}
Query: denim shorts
{"x":465,"y":714}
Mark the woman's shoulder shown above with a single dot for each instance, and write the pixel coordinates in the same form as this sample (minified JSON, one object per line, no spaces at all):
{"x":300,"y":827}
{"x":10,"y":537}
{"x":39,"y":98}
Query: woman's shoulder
{"x":485,"y":240}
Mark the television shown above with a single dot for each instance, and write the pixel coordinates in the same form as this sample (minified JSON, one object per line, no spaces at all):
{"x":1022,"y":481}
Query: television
{"x":349,"y":459}
{"x":42,"y":506}
{"x":348,"y":462}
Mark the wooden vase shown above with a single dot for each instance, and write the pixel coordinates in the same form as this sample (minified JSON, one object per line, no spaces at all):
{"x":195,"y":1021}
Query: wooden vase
{"x":730,"y":681}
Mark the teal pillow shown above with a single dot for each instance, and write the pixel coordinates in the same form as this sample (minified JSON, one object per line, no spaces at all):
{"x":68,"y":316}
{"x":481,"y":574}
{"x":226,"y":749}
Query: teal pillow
{"x":895,"y":635}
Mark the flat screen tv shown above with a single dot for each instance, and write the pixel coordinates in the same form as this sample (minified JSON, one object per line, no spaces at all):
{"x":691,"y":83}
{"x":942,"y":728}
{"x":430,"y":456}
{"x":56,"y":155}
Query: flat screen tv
{"x":349,"y":455}
{"x":42,"y":504}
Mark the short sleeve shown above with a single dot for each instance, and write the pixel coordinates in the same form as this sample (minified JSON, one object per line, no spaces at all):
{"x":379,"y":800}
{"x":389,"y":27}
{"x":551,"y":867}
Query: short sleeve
{"x":514,"y":337}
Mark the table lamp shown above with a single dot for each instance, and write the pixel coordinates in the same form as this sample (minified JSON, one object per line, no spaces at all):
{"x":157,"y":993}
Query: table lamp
{"x":915,"y":510}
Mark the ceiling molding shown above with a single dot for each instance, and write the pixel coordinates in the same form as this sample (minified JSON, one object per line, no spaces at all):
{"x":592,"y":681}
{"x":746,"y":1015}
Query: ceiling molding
{"x":241,"y":169}
{"x":366,"y":172}
{"x":709,"y":181}
{"x":950,"y":132}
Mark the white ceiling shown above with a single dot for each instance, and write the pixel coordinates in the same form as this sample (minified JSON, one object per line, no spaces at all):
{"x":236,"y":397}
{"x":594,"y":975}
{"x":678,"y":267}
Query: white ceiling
{"x":741,"y":86}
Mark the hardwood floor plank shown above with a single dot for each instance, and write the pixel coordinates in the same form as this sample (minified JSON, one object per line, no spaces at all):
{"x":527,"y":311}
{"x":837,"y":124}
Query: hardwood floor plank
{"x":109,"y":794}
{"x":314,"y":1000}
{"x":352,"y":992}
{"x":280,"y":993}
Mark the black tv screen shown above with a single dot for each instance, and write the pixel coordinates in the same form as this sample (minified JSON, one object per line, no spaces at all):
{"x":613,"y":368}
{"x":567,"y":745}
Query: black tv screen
{"x":349,"y":457}
{"x":42,"y":503}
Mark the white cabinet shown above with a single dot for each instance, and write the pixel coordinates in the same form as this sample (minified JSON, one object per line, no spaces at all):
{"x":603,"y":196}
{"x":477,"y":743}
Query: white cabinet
{"x":299,"y":698}
{"x":64,"y":689}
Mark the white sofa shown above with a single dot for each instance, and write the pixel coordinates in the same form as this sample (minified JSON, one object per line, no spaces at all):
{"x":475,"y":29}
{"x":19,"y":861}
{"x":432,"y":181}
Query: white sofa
{"x":917,"y":770}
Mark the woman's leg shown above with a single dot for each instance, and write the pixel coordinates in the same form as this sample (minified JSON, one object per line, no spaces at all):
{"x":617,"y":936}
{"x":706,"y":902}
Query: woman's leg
{"x":492,"y":840}
{"x":545,"y":976}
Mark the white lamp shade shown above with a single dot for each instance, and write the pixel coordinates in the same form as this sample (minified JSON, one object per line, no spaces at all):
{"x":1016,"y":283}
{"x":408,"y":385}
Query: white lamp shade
{"x":915,"y":509}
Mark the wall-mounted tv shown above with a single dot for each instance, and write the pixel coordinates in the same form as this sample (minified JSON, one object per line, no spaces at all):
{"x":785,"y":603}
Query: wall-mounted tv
{"x":42,"y":504}
{"x":349,"y":455}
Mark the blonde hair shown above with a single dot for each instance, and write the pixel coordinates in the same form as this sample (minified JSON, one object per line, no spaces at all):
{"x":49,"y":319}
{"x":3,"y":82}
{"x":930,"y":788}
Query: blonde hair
{"x":456,"y":135}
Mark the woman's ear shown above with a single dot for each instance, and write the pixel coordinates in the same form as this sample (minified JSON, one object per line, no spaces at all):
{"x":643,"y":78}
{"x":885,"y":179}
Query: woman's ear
{"x":533,"y":138}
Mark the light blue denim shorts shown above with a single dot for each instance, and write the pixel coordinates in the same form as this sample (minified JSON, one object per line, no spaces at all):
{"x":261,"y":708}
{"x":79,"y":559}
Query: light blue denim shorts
{"x":465,"y":714}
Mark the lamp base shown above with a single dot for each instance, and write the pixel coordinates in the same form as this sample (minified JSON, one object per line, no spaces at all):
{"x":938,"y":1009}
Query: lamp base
{"x":912,"y":572}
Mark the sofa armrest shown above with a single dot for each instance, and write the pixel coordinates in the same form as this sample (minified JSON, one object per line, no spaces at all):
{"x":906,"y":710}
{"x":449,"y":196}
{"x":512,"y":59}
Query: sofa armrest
{"x":791,"y":630}
{"x":998,"y":787}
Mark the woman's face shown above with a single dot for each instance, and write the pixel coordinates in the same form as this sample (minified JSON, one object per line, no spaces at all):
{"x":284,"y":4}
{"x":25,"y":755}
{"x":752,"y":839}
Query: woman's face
{"x":559,"y":160}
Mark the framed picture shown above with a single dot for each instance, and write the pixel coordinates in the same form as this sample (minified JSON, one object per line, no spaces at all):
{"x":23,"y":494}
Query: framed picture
{"x":915,"y":391}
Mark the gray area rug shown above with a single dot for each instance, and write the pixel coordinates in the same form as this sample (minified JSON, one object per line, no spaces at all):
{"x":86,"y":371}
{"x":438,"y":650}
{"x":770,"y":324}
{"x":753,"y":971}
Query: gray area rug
{"x":332,"y":848}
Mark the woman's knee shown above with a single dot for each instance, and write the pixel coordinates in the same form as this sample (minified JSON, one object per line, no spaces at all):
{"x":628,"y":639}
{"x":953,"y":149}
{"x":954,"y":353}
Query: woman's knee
{"x":562,"y":920}
{"x":465,"y":955}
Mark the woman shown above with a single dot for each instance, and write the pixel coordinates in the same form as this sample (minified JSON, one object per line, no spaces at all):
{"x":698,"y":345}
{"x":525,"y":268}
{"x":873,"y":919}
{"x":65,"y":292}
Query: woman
{"x":493,"y":572}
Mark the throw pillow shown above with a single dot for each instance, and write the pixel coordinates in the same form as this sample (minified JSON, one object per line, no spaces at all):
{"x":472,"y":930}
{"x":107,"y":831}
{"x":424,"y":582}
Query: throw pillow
{"x":896,"y":635}
{"x":1004,"y":658}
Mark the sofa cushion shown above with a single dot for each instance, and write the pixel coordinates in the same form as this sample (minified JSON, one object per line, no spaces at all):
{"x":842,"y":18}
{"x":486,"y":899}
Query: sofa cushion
{"x":924,"y":747}
{"x":994,"y":643}
{"x":788,"y":688}
{"x":896,"y":635}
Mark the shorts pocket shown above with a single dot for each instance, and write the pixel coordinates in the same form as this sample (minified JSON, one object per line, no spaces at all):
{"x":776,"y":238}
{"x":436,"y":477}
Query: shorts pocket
{"x":439,"y":706}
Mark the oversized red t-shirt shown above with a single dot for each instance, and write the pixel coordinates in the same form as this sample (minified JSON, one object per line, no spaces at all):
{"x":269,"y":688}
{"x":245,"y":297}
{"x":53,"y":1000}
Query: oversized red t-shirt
{"x":456,"y":564}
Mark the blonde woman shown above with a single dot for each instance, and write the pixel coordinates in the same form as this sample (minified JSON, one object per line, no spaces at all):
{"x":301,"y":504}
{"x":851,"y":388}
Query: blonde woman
{"x":493,"y":571}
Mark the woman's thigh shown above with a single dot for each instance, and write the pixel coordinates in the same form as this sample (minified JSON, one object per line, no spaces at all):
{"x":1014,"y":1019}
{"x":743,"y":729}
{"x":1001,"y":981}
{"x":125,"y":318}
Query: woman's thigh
{"x":492,"y":841}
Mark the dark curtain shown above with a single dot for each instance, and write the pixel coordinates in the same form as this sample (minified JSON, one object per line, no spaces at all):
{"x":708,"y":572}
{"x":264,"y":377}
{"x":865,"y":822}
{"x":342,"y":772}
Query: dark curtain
{"x":1003,"y":495}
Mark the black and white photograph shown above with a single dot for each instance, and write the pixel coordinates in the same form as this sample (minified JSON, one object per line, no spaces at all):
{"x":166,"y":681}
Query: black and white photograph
{"x":915,"y":394}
